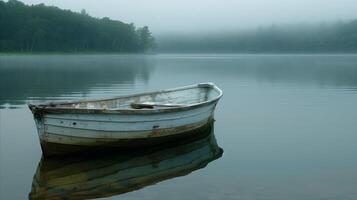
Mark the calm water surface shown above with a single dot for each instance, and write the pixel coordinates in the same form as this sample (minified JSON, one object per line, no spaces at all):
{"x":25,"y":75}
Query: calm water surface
{"x":287,"y":123}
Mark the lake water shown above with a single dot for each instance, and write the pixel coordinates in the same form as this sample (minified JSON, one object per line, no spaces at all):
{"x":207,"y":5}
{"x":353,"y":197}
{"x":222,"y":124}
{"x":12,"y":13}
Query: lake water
{"x":287,"y":123}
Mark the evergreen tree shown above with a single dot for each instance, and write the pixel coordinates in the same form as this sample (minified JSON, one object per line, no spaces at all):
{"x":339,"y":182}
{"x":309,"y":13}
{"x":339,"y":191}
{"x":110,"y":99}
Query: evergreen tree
{"x":40,"y":28}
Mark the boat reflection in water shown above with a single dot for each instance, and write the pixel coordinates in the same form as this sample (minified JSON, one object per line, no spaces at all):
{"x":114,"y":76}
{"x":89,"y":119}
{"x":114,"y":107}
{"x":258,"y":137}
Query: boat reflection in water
{"x":89,"y":177}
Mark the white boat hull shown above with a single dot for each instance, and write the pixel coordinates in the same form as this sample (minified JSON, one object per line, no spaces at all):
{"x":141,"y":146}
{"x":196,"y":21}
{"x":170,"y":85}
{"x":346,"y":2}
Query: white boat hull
{"x":68,"y":130}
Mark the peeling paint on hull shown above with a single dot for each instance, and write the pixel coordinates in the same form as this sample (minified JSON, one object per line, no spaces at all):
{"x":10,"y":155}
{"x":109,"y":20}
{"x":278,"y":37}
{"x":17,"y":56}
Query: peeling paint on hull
{"x":80,"y":145}
{"x":113,"y":123}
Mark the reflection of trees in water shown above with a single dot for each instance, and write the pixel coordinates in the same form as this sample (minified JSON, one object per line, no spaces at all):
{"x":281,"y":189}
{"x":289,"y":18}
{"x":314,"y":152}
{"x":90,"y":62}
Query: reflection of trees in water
{"x":22,"y":77}
{"x":318,"y":70}
{"x":50,"y":76}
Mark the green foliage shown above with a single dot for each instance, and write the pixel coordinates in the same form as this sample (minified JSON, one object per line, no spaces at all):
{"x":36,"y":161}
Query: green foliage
{"x":145,"y":38}
{"x":40,"y":28}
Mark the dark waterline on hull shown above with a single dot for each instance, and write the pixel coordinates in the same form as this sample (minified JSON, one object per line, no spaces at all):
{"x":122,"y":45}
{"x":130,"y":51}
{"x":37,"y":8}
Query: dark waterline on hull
{"x":287,"y":123}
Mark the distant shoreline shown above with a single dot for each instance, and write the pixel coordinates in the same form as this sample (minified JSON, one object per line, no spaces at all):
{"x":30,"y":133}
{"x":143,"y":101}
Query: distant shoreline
{"x":71,"y":53}
{"x":46,"y":29}
{"x":185,"y":53}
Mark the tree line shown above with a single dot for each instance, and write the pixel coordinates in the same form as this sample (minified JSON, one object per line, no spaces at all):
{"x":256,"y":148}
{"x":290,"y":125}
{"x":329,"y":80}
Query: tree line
{"x":324,"y":37}
{"x":41,"y":28}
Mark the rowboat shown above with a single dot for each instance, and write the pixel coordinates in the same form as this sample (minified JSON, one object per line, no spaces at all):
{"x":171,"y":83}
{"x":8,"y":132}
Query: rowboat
{"x":114,"y":174}
{"x":131,"y":121}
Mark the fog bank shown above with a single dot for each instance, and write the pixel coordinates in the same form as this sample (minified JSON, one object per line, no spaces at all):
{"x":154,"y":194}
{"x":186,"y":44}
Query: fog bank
{"x":184,"y":16}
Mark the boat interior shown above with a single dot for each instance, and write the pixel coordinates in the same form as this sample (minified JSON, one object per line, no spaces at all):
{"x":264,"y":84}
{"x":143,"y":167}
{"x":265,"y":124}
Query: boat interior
{"x":153,"y":100}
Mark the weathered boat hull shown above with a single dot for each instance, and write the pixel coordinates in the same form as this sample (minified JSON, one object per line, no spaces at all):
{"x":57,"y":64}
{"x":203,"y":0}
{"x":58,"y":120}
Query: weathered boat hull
{"x":98,"y":145}
{"x":64,"y":130}
{"x":109,"y":175}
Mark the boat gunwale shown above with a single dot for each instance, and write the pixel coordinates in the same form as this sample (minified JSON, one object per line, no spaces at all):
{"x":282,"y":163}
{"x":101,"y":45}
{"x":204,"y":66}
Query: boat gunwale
{"x":50,"y":108}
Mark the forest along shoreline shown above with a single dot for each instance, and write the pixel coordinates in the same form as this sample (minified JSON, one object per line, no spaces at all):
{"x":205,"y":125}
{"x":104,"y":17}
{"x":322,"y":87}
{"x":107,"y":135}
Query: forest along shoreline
{"x":46,"y":29}
{"x":33,"y":29}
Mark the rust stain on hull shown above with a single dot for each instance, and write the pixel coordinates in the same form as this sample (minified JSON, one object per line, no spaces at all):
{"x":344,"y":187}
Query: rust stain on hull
{"x":114,"y":123}
{"x":55,"y":149}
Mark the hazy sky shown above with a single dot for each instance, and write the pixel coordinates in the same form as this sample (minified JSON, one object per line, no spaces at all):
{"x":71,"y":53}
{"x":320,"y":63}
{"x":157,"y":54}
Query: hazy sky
{"x":214,"y":15}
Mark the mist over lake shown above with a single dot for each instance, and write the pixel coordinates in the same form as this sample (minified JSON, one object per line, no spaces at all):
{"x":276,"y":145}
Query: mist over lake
{"x":283,"y":129}
{"x":286,"y":123}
